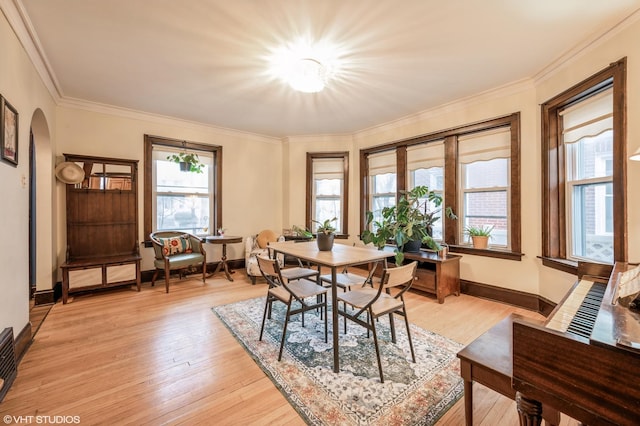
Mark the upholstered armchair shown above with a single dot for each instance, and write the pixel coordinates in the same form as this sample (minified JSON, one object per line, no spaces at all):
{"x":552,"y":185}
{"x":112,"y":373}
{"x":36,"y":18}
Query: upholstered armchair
{"x":176,"y":251}
{"x":257,"y":245}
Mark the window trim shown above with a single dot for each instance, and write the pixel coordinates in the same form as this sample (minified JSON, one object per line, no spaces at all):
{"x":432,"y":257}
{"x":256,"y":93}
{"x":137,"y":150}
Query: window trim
{"x":450,"y":136}
{"x":149,"y":141}
{"x":554,"y":224}
{"x":344,"y":155}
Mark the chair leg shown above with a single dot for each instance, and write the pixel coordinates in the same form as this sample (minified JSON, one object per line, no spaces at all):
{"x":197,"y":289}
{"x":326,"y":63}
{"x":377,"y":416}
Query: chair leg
{"x":253,"y":279}
{"x":284,"y":330}
{"x":406,"y":322}
{"x":392,"y":326}
{"x":153,"y":279}
{"x":267,"y":307}
{"x":167,"y":273}
{"x":204,"y":271}
{"x":326,"y":320}
{"x":375,"y":341}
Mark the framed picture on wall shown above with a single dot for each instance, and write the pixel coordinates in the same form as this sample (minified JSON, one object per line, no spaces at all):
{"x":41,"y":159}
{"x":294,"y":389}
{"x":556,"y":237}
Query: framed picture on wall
{"x":8,"y":132}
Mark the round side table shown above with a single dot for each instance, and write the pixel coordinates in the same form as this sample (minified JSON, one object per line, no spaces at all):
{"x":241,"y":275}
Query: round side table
{"x":224,"y":240}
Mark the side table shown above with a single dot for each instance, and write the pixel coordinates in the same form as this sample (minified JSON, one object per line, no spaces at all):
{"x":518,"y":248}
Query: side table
{"x":224,"y":240}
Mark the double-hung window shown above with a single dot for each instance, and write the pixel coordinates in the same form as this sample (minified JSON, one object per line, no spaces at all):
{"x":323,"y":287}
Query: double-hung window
{"x":425,"y":164}
{"x":584,"y":172}
{"x":328,"y":187}
{"x":474,"y":167}
{"x":484,"y":165}
{"x":177,"y":200}
{"x":588,"y":141}
{"x":382,"y":179}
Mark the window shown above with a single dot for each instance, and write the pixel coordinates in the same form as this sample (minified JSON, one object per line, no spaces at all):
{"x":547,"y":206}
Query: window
{"x":425,"y":164}
{"x":327,"y":189}
{"x":584,"y":201}
{"x":476,"y":169}
{"x":483,"y":161}
{"x":383,"y":183}
{"x":177,"y":200}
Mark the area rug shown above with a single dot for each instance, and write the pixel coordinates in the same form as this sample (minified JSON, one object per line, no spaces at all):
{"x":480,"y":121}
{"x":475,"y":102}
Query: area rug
{"x":412,"y":394}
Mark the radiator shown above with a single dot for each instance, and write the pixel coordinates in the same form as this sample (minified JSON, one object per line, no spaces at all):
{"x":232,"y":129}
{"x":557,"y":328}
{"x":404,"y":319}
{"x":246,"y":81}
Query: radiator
{"x":8,"y":368}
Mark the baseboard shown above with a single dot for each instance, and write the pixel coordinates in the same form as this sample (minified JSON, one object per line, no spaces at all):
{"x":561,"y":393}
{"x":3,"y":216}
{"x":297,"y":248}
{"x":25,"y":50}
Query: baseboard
{"x":517,"y":298}
{"x":44,"y":297}
{"x":23,"y":341}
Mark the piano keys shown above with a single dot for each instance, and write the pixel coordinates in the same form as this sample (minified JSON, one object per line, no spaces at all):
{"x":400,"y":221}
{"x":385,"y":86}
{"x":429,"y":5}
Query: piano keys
{"x":584,"y":360}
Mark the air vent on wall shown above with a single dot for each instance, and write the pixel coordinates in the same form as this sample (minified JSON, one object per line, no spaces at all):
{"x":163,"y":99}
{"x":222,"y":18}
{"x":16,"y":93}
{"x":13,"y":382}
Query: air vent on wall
{"x":8,"y":368}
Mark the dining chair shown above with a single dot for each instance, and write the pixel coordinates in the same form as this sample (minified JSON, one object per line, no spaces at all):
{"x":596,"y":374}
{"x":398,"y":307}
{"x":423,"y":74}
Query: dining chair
{"x":349,"y":281}
{"x":288,"y":292}
{"x":385,"y":297}
{"x":296,"y":272}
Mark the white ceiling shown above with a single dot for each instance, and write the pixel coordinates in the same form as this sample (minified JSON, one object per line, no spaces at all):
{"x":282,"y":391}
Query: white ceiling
{"x":207,"y":60}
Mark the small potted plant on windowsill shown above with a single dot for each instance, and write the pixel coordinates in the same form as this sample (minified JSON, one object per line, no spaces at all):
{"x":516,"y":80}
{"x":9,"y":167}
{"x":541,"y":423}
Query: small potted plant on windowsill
{"x":479,"y":235}
{"x":325,"y":234}
{"x":189,"y":162}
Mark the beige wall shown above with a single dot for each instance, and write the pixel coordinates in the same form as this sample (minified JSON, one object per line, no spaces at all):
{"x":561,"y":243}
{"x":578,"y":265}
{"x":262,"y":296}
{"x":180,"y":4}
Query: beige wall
{"x":22,"y":87}
{"x":251,"y":179}
{"x":264,"y":178}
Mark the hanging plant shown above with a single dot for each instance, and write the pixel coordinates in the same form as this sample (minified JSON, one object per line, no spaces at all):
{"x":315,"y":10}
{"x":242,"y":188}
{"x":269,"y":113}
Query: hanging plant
{"x":189,"y":162}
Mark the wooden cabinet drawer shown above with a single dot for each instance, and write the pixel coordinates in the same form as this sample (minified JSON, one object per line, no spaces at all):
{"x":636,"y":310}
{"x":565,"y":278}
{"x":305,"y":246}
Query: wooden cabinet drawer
{"x":85,"y":277}
{"x":426,"y":280}
{"x":117,"y":273}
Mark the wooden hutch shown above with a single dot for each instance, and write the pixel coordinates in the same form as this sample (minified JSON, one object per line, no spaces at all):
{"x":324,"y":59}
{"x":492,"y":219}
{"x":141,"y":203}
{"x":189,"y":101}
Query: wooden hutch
{"x":102,"y":226}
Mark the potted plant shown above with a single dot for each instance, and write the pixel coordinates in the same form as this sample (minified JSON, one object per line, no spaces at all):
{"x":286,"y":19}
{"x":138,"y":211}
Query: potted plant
{"x":408,"y":223}
{"x":325,"y":234}
{"x":189,"y":162}
{"x":479,"y":235}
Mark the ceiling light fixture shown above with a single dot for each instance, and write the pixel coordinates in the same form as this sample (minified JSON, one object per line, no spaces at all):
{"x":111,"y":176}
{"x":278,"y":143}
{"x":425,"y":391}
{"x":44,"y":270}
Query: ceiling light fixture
{"x":308,"y":75}
{"x":304,"y":66}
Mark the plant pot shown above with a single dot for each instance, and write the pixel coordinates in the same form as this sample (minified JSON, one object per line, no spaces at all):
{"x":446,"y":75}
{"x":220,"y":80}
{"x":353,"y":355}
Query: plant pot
{"x":185,"y":167}
{"x":480,"y":241}
{"x":412,"y":246}
{"x":325,"y":241}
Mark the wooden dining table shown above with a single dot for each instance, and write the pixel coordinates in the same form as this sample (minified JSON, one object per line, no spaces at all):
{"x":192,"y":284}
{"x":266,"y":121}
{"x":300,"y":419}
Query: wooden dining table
{"x":342,"y":255}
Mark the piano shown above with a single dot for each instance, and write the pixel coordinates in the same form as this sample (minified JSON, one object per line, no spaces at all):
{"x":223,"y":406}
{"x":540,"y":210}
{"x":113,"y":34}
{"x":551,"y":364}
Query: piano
{"x":584,"y":359}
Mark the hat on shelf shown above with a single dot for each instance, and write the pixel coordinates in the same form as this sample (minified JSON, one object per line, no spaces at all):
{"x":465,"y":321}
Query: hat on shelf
{"x":69,"y":172}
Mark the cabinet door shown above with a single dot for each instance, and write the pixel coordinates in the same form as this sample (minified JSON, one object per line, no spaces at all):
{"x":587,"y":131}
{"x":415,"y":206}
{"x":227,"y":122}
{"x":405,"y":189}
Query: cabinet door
{"x":120,"y":273}
{"x":85,"y":277}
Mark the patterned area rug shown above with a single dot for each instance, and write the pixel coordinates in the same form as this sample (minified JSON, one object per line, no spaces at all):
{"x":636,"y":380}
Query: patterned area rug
{"x":412,"y":394}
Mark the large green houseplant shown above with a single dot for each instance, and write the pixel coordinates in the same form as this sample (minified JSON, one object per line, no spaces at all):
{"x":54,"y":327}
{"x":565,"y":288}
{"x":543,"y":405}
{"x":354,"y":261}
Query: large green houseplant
{"x":410,"y":220}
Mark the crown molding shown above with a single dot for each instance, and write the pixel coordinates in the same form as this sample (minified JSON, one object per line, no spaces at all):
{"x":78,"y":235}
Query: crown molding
{"x":79,"y":104}
{"x":456,"y":105}
{"x":578,"y":51}
{"x":21,"y":24}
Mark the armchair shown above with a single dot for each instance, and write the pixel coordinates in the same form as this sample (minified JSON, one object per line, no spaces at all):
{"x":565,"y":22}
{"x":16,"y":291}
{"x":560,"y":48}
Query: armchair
{"x":176,"y":250}
{"x":257,"y":245}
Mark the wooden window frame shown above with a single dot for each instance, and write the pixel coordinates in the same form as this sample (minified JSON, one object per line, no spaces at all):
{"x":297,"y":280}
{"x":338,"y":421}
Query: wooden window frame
{"x":149,"y":142}
{"x":311,"y":156}
{"x":554,"y":224}
{"x":451,"y":189}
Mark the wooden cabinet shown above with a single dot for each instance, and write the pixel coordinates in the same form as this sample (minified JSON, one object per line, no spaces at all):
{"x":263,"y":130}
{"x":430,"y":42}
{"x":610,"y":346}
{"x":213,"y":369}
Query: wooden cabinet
{"x":102,"y":226}
{"x":437,"y":275}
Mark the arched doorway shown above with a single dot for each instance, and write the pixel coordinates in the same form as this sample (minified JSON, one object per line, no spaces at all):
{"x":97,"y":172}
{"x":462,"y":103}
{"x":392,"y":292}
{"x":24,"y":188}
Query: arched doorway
{"x":42,"y":217}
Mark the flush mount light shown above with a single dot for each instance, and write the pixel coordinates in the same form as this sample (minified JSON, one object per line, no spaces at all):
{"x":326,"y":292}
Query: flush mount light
{"x":304,"y":67}
{"x":308,"y":75}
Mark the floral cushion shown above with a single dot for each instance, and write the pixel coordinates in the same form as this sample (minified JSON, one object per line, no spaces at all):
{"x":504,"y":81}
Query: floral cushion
{"x":176,"y":245}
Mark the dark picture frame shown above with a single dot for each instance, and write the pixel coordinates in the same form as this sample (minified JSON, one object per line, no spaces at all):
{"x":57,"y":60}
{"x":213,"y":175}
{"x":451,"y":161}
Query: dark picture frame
{"x":8,"y":132}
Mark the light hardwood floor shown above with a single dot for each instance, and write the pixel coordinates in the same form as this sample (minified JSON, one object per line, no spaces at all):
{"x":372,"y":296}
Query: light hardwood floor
{"x":122,"y":357}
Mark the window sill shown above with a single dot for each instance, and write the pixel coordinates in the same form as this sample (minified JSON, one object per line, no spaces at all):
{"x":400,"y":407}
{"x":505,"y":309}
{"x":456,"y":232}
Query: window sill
{"x":564,"y":265}
{"x":499,"y":254}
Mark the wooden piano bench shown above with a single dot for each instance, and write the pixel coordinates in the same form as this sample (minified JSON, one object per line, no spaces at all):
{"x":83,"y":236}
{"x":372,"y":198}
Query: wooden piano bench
{"x":488,"y":361}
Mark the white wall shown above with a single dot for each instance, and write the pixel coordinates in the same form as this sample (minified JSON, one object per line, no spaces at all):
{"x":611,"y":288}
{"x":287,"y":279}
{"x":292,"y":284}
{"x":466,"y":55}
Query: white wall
{"x":22,"y":87}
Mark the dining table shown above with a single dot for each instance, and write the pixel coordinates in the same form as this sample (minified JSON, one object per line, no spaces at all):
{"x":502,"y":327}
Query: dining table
{"x":340,"y":256}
